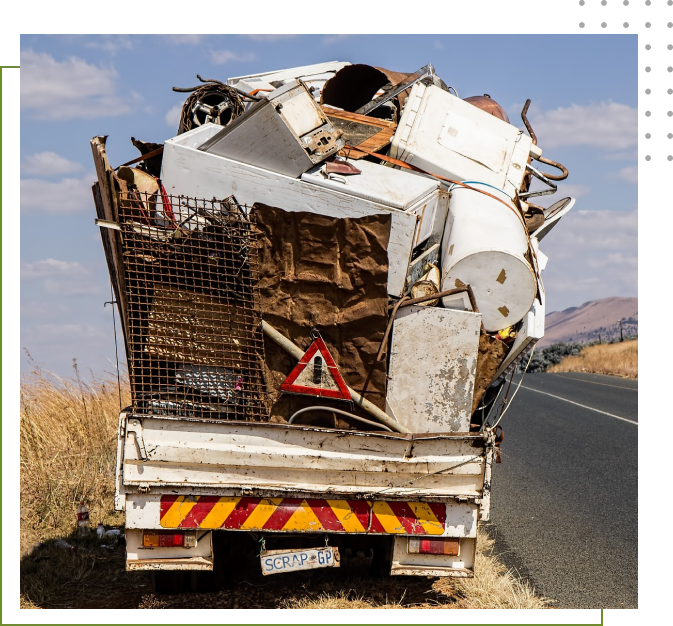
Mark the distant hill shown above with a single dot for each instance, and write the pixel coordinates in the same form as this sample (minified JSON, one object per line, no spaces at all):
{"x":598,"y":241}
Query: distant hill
{"x":585,"y":323}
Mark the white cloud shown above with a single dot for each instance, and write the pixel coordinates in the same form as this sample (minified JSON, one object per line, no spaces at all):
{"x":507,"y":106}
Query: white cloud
{"x":606,"y":125}
{"x":51,"y":268}
{"x":58,"y":90}
{"x":629,"y":174}
{"x":592,"y":254}
{"x":173,"y":116}
{"x":110,"y":43}
{"x":269,"y":38}
{"x":65,"y":196}
{"x":220,"y":57}
{"x":330,"y":39}
{"x":49,"y":164}
{"x":67,"y":278}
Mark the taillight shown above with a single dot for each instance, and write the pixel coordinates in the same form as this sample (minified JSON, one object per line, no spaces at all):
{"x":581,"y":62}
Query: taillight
{"x":448,"y":546}
{"x":168,"y":539}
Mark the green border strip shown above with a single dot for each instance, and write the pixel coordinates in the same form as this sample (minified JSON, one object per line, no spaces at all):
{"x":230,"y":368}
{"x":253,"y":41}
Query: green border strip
{"x":9,"y":343}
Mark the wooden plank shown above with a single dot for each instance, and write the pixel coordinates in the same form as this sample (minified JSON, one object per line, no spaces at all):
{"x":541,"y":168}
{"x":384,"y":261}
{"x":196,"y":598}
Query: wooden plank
{"x":110,"y":212}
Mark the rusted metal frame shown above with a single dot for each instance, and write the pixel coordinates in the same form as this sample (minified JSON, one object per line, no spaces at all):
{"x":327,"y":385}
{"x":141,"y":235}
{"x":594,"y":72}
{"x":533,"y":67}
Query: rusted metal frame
{"x":194,"y":298}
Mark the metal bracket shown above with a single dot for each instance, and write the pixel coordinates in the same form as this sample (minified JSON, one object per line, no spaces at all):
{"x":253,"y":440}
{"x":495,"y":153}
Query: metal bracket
{"x":540,"y":176}
{"x":135,"y":426}
{"x":107,"y":224}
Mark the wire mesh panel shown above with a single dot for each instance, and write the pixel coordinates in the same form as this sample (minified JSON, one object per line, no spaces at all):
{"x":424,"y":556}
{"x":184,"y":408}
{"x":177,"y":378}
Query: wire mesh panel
{"x":194,"y":335}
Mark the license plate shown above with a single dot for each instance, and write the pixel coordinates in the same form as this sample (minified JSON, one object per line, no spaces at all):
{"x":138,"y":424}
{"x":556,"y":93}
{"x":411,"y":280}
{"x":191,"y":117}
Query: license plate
{"x":278,"y":561}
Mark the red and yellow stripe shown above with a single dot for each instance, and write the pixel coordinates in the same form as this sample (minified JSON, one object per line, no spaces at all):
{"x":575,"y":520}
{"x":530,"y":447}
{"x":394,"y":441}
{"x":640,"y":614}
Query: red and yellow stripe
{"x":303,"y":515}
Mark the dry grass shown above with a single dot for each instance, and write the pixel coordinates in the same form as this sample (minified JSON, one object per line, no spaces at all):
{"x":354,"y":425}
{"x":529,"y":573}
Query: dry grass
{"x":614,"y":359}
{"x":68,"y":448}
{"x":494,"y":586}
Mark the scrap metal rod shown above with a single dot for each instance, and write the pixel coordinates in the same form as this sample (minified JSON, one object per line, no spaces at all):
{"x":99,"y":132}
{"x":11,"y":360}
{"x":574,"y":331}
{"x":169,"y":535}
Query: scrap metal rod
{"x":363,"y":403}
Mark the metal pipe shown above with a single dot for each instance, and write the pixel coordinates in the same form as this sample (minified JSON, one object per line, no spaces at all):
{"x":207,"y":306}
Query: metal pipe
{"x":557,"y":165}
{"x":363,"y":403}
{"x":527,"y":123}
{"x":330,"y":409}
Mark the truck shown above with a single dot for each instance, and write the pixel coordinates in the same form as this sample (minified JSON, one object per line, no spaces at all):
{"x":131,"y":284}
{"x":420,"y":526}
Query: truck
{"x":324,"y":281}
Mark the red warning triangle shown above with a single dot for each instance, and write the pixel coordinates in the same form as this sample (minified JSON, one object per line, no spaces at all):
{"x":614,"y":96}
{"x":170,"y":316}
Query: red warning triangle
{"x":317,"y":375}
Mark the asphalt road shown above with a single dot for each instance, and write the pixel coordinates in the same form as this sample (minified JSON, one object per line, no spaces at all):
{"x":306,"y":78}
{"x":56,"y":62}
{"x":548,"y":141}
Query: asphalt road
{"x":565,"y":497}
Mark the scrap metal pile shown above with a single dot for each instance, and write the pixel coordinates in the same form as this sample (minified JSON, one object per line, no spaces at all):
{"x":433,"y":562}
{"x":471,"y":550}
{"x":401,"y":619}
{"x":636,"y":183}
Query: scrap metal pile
{"x":336,"y":245}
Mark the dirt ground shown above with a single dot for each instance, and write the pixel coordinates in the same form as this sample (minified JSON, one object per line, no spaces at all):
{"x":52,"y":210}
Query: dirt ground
{"x":90,"y":576}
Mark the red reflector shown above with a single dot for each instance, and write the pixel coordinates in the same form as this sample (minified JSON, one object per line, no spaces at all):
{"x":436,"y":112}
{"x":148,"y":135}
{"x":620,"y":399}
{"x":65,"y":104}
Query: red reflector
{"x":162,"y":539}
{"x":171,"y":540}
{"x":447,"y":546}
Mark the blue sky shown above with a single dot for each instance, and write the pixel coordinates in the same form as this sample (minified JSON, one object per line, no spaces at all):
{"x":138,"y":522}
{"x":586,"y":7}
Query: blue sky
{"x":584,"y":93}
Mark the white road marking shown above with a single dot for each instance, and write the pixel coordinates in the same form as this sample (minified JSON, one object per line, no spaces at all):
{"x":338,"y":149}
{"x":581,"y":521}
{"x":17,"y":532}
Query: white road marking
{"x":584,"y":406}
{"x":593,"y":382}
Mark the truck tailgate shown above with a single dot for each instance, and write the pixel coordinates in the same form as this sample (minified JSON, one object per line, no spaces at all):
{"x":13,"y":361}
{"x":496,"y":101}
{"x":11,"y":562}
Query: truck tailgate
{"x":234,"y":465}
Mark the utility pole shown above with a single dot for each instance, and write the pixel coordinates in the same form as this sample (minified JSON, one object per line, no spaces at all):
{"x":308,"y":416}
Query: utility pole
{"x":621,"y":330}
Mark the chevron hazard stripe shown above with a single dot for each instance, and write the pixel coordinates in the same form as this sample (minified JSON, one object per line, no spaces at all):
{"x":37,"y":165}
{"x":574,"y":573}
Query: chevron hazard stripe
{"x":303,"y":515}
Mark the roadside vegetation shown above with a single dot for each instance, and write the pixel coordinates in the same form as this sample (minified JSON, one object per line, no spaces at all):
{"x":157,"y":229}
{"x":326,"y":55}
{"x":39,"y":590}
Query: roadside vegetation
{"x":67,"y":451}
{"x":614,"y":359}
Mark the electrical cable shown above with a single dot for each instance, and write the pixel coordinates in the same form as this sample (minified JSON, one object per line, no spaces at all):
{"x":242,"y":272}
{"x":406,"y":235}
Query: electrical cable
{"x":339,"y":412}
{"x":508,"y":404}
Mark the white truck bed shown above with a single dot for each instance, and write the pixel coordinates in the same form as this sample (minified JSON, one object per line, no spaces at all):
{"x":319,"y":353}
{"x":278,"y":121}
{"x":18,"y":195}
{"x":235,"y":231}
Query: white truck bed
{"x":181,"y":473}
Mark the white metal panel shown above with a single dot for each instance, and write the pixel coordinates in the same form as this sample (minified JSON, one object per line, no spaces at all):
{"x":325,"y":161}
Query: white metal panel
{"x":394,"y":188}
{"x":274,"y":459}
{"x":304,"y":72}
{"x":301,"y":112}
{"x":433,"y":359}
{"x":397,"y":189}
{"x":461,"y":520}
{"x":445,"y":135}
{"x":190,"y":172}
